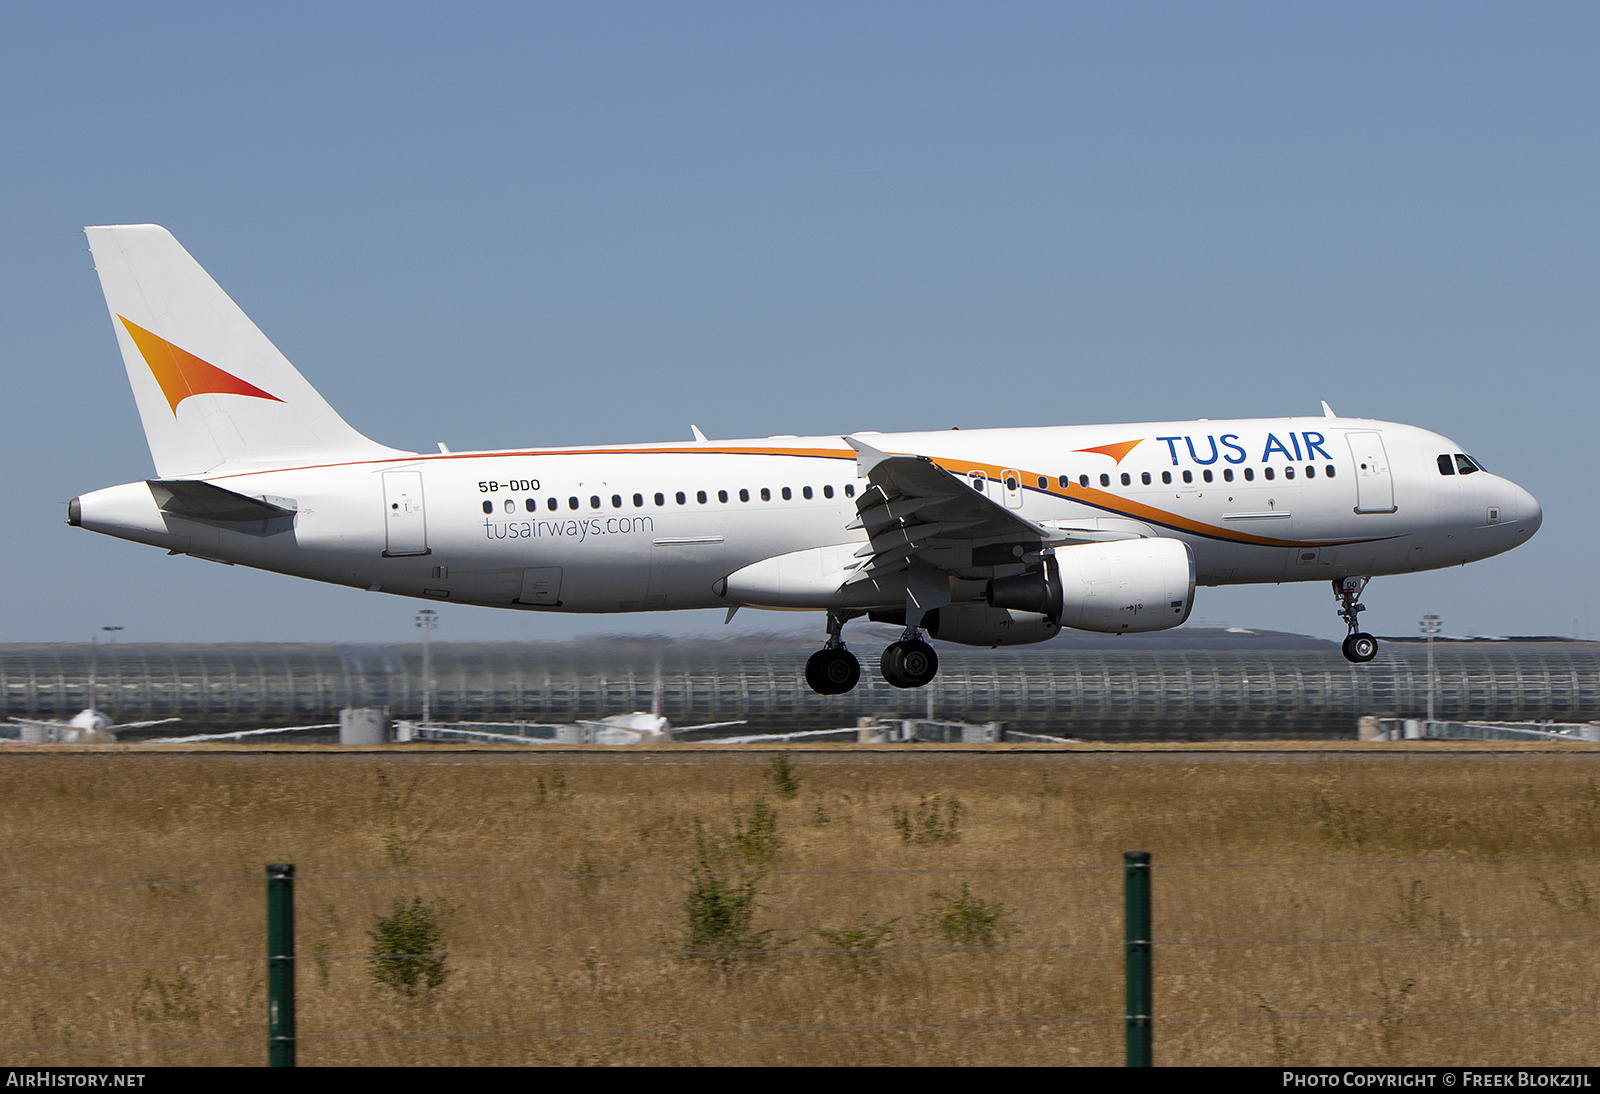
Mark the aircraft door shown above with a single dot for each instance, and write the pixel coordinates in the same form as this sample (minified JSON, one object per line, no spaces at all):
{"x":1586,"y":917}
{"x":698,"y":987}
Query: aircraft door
{"x":405,"y":526}
{"x":1374,"y":484}
{"x":1012,"y":482}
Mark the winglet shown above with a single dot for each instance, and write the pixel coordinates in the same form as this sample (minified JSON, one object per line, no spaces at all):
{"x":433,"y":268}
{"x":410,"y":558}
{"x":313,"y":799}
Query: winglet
{"x":1327,"y":411}
{"x":699,"y":436}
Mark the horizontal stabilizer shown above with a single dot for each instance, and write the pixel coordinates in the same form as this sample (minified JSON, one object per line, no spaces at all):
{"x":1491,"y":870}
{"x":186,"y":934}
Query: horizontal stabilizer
{"x":203,"y":501}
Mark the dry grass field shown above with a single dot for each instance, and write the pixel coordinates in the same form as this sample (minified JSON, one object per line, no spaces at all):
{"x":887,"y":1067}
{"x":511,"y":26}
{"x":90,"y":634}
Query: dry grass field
{"x":1311,"y":906}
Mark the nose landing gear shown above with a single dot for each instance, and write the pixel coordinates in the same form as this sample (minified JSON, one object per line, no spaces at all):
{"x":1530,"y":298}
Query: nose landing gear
{"x":833,"y":670}
{"x":1359,"y":646}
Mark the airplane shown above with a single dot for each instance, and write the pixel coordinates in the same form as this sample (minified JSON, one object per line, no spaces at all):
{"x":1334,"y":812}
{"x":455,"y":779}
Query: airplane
{"x":983,"y":537}
{"x":87,"y":727}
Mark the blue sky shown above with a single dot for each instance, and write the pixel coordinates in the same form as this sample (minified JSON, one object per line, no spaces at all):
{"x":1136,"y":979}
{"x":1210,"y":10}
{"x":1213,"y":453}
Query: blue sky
{"x":496,"y":225}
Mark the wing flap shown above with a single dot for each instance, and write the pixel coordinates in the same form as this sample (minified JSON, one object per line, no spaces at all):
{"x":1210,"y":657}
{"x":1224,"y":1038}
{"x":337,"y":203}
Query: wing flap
{"x":913,"y":506}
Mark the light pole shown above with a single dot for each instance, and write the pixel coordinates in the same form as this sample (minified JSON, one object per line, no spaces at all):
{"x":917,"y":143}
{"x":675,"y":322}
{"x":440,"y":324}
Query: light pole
{"x":1430,"y":627}
{"x":94,"y":663}
{"x":427,"y":619}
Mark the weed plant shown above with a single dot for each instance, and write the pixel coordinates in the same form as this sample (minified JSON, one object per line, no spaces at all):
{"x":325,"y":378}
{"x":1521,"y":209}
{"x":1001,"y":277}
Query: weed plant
{"x":937,"y":821}
{"x":858,"y":946}
{"x":406,"y":947}
{"x":719,"y":910}
{"x":756,"y":839}
{"x":780,"y":774}
{"x":965,"y":920}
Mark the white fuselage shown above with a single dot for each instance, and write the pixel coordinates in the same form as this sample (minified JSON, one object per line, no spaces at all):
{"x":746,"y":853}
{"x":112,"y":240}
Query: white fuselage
{"x":654,"y":527}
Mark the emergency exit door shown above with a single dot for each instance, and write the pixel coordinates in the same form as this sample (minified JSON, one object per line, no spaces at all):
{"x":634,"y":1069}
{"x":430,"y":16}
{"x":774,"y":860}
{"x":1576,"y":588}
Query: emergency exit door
{"x":405,"y":525}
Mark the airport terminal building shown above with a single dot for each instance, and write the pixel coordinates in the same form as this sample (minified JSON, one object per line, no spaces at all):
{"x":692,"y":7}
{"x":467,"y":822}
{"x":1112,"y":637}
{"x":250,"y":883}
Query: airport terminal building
{"x":1188,"y":684}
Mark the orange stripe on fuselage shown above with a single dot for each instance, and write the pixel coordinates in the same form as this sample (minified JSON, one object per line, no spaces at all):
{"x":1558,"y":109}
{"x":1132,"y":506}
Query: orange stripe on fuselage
{"x":1082,"y":495}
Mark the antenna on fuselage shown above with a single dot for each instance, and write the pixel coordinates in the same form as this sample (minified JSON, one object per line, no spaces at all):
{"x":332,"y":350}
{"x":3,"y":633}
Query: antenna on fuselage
{"x":699,"y":436}
{"x":1327,"y":411}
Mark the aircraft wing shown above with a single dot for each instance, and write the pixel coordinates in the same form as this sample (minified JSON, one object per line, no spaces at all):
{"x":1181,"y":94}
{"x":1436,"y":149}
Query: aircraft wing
{"x":143,"y":725}
{"x":915,"y":510}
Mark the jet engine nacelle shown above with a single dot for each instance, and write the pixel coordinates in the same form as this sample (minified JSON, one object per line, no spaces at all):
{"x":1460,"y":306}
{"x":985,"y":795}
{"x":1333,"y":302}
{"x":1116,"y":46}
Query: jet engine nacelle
{"x":981,"y":625}
{"x":1125,"y":585}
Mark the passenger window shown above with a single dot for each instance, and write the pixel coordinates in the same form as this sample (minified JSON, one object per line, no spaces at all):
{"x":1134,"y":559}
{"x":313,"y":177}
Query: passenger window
{"x":1011,"y":483}
{"x":1446,"y":467}
{"x":787,"y":495}
{"x":1227,"y":474}
{"x":700,"y":496}
{"x":680,"y":498}
{"x":552,"y":504}
{"x":1145,"y":478}
{"x":805,"y":492}
{"x":1206,"y":475}
{"x":488,"y":507}
{"x":1464,"y":465}
{"x":1188,"y":476}
{"x":616,"y":501}
{"x":661,"y":499}
{"x":1311,"y":472}
{"x":766,"y":495}
{"x":511,"y":506}
{"x":638,"y":501}
{"x":849,"y":489}
{"x":1083,"y":480}
{"x":1249,"y":474}
{"x":1044,"y":483}
{"x":532,"y":505}
{"x":827,"y":491}
{"x":1127,"y":480}
{"x":1065,"y":482}
{"x":1288,"y":472}
{"x":1166,"y":478}
{"x":572,"y":503}
{"x":1267,"y":473}
{"x":594,"y":501}
{"x":1105,"y":480}
{"x":722,"y":496}
{"x":1328,"y":471}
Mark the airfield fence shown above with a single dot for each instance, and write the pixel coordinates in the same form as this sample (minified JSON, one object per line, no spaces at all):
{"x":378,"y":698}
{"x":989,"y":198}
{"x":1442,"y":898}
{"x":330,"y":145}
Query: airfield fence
{"x":1344,"y":961}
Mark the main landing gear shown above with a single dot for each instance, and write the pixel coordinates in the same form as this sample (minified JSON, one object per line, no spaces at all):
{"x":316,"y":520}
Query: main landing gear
{"x":1360,"y":646}
{"x":833,"y":670}
{"x":910,"y":662}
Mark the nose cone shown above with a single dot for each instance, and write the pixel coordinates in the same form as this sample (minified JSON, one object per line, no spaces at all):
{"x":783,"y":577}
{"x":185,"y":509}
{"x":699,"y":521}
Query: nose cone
{"x":1530,"y":515}
{"x":1530,"y":509}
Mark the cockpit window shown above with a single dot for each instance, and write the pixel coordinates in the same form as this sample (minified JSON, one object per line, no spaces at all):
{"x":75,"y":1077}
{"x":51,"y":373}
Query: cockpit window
{"x":1464,"y":465}
{"x":1445,"y":466}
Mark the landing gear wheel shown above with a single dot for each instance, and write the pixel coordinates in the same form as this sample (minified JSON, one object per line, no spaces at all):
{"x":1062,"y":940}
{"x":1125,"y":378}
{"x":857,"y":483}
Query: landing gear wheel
{"x":832,"y":671}
{"x":909,"y":663}
{"x":1360,"y":648}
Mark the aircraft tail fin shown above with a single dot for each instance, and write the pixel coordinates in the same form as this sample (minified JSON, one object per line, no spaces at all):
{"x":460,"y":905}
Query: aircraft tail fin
{"x":213,"y":393}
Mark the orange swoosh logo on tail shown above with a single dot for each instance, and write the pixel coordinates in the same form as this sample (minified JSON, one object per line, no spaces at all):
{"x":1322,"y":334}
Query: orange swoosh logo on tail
{"x":182,"y":374}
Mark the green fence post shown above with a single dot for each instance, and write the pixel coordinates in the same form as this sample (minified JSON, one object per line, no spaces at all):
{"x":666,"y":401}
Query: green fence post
{"x":1136,"y":889}
{"x":280,"y":965}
